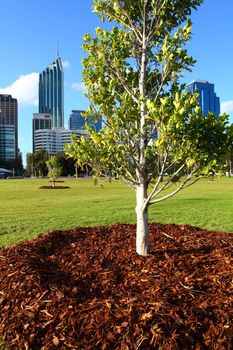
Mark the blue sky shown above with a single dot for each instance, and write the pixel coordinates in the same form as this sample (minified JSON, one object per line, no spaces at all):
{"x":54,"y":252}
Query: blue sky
{"x":30,"y":31}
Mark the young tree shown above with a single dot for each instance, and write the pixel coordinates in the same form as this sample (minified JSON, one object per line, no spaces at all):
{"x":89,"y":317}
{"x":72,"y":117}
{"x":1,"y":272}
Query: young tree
{"x":153,"y":126}
{"x":54,"y":169}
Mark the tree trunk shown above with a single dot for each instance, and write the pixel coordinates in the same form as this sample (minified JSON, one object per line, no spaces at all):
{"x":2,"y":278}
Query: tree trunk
{"x":142,"y":232}
{"x":142,"y":240}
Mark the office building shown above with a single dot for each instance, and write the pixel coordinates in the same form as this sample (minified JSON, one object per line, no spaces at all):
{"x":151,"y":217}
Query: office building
{"x":8,"y":128}
{"x":7,"y":143}
{"x":208,"y":100}
{"x":77,"y":122}
{"x":53,"y":140}
{"x":51,"y":92}
{"x":40,"y":121}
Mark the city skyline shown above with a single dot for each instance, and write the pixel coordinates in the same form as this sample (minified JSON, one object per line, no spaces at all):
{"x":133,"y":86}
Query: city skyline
{"x":35,"y":46}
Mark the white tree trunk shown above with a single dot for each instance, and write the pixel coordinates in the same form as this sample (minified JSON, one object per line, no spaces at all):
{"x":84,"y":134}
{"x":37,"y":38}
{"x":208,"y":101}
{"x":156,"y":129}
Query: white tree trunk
{"x":142,"y":240}
{"x":142,"y":232}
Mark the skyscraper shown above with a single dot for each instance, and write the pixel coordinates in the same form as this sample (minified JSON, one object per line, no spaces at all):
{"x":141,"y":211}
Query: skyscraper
{"x":51,"y":92}
{"x":7,"y":143}
{"x":208,"y":100}
{"x":77,"y":122}
{"x":40,"y":121}
{"x":8,"y":128}
{"x":53,"y":140}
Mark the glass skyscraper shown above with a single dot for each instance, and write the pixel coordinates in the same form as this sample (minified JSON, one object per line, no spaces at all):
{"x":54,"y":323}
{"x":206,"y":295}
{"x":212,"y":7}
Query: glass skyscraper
{"x":8,"y":128}
{"x":51,"y":92}
{"x":208,"y":100}
{"x":7,"y":143}
{"x":77,"y":122}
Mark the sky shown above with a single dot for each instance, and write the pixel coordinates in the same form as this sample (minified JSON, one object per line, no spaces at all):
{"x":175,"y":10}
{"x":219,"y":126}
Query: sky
{"x":32,"y":30}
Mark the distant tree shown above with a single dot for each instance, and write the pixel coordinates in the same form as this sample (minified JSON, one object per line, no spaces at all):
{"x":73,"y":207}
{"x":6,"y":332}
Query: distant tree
{"x":155,"y":137}
{"x":29,"y":164}
{"x":36,"y":163}
{"x":39,"y":162}
{"x":230,"y":150}
{"x":67,"y":164}
{"x":54,"y":169}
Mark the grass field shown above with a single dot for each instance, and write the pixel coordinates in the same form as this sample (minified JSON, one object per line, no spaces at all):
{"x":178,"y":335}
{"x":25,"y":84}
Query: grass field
{"x":26,"y":210}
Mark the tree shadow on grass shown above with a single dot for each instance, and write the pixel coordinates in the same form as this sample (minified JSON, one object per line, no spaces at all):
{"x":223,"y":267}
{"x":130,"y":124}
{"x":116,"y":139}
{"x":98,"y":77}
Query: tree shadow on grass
{"x":5,"y":233}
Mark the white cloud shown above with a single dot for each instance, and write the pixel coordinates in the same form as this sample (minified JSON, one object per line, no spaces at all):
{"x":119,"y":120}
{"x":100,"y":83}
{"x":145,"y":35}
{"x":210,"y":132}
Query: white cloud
{"x":25,"y":89}
{"x":65,"y":64}
{"x":78,"y":86}
{"x":227,"y":107}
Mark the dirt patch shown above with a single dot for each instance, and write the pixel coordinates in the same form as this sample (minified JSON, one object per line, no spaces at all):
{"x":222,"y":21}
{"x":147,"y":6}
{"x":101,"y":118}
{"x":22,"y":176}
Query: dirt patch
{"x":57,"y":181}
{"x":53,"y":187}
{"x":86,"y":288}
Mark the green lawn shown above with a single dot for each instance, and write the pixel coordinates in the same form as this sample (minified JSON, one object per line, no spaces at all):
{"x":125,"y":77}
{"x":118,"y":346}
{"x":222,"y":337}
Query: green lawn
{"x":26,"y":210}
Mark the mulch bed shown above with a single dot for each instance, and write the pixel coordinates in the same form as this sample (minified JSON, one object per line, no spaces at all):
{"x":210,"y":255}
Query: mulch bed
{"x":86,"y":288}
{"x":57,"y":181}
{"x":53,"y":187}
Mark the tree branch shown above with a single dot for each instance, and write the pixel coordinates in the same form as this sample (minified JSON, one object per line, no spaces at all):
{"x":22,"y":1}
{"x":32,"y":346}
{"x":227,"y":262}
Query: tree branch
{"x":156,"y":193}
{"x":176,"y":191}
{"x":159,"y":179}
{"x":130,"y":181}
{"x":134,"y":29}
{"x":118,"y":74}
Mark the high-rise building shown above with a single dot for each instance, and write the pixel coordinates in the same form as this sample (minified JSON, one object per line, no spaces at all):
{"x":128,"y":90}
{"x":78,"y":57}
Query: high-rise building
{"x":7,"y":143}
{"x":8,"y":128}
{"x":40,"y":121}
{"x":77,"y":122}
{"x":53,"y":140}
{"x":48,"y":125}
{"x":208,"y":100}
{"x":51,"y":92}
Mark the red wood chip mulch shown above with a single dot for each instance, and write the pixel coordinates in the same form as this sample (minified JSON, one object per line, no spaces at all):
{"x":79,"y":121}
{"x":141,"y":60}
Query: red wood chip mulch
{"x":53,"y":187}
{"x":86,"y":288}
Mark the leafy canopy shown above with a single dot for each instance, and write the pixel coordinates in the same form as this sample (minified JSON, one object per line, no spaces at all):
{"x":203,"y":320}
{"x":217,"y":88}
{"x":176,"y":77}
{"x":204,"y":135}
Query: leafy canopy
{"x":152,"y":125}
{"x":54,"y":168}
